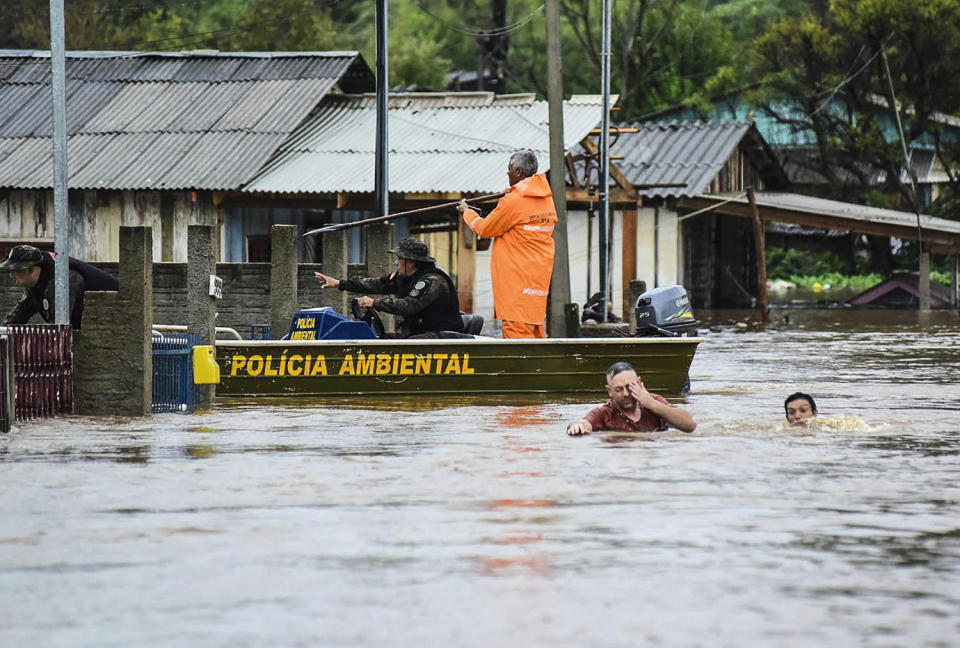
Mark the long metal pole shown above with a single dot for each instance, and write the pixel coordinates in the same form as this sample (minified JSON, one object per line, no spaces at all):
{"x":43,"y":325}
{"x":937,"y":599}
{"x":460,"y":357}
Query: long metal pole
{"x":560,"y":283}
{"x":381,"y":182}
{"x":61,"y":226}
{"x":380,"y":219}
{"x":923,"y":271}
{"x":605,"y":162}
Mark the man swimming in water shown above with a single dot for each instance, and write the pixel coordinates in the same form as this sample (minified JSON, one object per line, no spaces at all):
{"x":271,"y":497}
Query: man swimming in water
{"x":799,"y":406}
{"x":631,"y":408}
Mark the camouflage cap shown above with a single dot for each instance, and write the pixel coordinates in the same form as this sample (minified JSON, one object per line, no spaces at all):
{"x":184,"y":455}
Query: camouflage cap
{"x":411,"y":248}
{"x":21,"y":257}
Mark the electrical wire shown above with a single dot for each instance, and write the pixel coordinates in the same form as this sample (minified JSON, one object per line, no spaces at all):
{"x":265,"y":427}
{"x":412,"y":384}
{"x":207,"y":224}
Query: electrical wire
{"x":473,"y":31}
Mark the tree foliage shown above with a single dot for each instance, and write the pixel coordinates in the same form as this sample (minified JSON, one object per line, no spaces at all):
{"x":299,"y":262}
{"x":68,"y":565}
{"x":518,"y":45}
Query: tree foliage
{"x":816,"y":66}
{"x":843,"y":79}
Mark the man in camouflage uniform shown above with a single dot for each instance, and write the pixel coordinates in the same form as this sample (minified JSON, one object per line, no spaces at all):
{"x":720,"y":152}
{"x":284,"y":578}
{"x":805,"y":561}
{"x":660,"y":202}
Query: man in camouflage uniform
{"x":423,"y":295}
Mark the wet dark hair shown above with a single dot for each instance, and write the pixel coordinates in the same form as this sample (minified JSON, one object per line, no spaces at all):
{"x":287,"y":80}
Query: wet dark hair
{"x":618,"y":367}
{"x":800,"y":396}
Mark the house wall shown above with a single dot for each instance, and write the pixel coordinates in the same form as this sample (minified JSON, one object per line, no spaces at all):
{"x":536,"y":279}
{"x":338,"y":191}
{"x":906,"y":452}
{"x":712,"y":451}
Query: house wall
{"x":95,"y":217}
{"x":246,"y":293}
{"x":659,"y":245}
{"x":720,"y":258}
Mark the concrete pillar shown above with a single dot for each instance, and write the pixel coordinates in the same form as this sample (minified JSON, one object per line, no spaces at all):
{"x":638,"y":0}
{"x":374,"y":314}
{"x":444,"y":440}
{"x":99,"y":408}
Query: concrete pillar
{"x":201,"y":306}
{"x":335,"y":259}
{"x":380,"y":238}
{"x":924,"y":281}
{"x":283,"y":278}
{"x":113,"y":351}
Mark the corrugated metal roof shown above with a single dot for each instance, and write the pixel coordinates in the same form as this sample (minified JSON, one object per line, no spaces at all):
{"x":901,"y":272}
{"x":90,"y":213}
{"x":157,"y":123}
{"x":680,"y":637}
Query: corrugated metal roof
{"x":203,"y":120}
{"x":837,"y":209}
{"x":802,"y":167}
{"x":438,"y":142}
{"x":689,"y":152}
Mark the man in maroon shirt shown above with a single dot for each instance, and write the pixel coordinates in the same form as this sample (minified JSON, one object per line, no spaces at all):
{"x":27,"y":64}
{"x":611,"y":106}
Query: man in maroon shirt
{"x":631,"y":408}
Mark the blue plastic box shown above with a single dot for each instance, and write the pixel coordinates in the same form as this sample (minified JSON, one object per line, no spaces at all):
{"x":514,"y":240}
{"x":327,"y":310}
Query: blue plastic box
{"x":327,"y":324}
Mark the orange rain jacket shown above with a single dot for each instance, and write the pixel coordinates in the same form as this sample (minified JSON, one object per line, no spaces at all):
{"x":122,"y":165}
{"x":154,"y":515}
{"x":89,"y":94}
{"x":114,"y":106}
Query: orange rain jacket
{"x":522,"y":260}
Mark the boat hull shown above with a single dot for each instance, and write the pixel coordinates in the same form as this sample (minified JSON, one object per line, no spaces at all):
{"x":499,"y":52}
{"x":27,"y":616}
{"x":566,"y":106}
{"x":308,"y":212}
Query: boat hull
{"x":460,"y":367}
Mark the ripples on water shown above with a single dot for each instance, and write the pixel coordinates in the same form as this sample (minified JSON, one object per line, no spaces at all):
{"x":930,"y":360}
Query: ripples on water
{"x":474,"y":523}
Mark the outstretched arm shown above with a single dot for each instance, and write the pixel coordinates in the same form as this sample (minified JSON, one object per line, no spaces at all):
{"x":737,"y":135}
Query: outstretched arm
{"x":496,"y":223}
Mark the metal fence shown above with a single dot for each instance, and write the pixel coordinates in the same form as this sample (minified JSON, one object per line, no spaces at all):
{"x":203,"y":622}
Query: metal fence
{"x":6,"y":383}
{"x":36,"y":372}
{"x":173,"y":387}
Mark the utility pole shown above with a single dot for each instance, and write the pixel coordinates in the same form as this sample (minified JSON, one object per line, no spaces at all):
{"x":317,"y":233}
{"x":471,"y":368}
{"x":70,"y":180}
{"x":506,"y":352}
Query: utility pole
{"x":61,"y":269}
{"x":560,"y":284}
{"x":381,"y":161}
{"x":498,"y":45}
{"x":605,"y":163}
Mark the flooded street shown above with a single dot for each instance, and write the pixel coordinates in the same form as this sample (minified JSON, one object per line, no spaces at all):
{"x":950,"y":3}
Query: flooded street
{"x":480,"y":523}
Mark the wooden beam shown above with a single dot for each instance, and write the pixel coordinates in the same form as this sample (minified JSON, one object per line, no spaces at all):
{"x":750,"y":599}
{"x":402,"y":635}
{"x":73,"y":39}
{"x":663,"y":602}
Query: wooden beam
{"x":618,"y":198}
{"x":954,"y":288}
{"x":466,"y":266}
{"x":945,"y":250}
{"x":615,"y":172}
{"x":628,"y":258}
{"x":435,"y":196}
{"x":572,"y":170}
{"x":759,"y":243}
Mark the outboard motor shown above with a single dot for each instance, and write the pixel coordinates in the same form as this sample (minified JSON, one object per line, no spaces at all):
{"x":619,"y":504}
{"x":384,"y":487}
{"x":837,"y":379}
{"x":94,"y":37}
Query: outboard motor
{"x":665,"y":311}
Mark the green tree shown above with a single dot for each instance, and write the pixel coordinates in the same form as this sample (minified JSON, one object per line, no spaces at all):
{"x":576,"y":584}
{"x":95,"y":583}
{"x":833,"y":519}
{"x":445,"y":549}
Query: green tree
{"x":827,"y":78}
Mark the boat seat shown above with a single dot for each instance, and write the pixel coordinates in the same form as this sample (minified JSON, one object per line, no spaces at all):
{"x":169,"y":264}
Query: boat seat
{"x":472,"y":324}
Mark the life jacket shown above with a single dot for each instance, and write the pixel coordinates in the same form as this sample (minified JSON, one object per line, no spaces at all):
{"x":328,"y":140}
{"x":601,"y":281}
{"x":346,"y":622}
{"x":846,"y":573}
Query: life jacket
{"x":441,"y":315}
{"x":42,"y":294}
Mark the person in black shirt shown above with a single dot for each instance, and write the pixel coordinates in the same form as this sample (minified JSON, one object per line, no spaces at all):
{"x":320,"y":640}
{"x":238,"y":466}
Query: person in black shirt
{"x":33,"y":270}
{"x":422,"y":294}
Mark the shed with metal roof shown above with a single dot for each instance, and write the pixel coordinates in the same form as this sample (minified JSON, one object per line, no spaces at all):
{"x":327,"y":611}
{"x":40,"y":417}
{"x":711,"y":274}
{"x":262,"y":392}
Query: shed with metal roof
{"x":151,"y":136}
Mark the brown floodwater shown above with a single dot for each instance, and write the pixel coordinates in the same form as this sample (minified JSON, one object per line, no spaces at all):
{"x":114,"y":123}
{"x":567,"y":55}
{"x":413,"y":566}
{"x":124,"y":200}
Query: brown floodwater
{"x":472,"y":522}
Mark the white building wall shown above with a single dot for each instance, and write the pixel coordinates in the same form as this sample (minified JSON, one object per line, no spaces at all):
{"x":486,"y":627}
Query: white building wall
{"x":483,"y":286}
{"x":646,"y":245}
{"x":668,"y":246}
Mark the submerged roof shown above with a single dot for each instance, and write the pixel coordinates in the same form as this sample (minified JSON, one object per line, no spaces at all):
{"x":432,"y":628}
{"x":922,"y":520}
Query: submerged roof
{"x":186,"y":120}
{"x":902,"y":291}
{"x":692,"y":154}
{"x":439,"y":142}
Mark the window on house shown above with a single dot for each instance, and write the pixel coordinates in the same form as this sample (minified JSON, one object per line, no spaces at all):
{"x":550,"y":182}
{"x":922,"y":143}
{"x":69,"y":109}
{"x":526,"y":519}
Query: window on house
{"x":258,"y":248}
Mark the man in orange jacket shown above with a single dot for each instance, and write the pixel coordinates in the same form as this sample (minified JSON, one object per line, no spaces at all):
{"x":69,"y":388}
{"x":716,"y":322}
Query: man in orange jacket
{"x":522,"y":260}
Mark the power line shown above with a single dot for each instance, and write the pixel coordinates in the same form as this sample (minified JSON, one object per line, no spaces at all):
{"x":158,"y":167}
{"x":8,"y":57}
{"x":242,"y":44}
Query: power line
{"x":474,"y":31}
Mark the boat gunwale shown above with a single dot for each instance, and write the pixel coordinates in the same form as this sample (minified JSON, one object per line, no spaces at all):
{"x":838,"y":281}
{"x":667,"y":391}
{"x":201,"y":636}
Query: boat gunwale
{"x":461,"y":342}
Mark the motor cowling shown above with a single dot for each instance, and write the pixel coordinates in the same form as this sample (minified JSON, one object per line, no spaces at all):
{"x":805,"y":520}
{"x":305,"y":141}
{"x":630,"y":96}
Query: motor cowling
{"x":665,"y":311}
